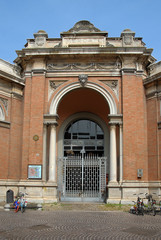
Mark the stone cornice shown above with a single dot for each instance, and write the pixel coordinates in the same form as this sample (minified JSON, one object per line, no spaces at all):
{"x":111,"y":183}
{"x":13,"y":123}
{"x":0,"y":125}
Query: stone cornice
{"x":10,"y":71}
{"x":151,"y":79}
{"x":78,"y":50}
{"x":12,"y":78}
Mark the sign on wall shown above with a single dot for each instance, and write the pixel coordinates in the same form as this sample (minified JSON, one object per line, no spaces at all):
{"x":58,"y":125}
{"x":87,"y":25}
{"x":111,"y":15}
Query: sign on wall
{"x":34,"y":171}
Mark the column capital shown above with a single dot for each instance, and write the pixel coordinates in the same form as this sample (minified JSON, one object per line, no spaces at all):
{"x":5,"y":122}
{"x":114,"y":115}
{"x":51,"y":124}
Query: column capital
{"x":51,"y":119}
{"x":115,"y":119}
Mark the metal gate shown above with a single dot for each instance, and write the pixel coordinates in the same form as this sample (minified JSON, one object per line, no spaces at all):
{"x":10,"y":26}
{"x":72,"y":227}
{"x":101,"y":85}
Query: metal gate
{"x":82,"y":178}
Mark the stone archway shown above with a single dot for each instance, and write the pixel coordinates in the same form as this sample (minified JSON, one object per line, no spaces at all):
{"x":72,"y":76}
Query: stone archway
{"x":114,"y":118}
{"x":106,"y":94}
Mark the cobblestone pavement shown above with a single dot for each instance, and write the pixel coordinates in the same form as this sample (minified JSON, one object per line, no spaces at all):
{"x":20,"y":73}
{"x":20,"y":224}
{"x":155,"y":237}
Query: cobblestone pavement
{"x":84,"y":225}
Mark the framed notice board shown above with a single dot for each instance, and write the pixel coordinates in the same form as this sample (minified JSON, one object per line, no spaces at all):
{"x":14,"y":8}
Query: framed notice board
{"x":34,"y":171}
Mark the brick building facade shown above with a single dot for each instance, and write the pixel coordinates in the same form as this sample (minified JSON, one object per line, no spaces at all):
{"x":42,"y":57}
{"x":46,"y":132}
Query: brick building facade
{"x":80,"y":118}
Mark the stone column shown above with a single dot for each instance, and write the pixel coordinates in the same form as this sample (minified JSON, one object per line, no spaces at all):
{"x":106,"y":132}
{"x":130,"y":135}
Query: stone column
{"x":52,"y":154}
{"x":44,"y":151}
{"x":113,"y":157}
{"x":121,"y":152}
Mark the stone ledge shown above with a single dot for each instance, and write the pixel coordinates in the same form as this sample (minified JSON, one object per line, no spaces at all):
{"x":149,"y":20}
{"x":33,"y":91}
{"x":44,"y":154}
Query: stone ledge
{"x":27,"y":183}
{"x":5,"y":124}
{"x":8,"y":207}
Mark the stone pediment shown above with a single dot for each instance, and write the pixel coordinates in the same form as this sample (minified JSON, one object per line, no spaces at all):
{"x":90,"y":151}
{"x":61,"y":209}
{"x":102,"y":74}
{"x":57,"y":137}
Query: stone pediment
{"x":84,"y":34}
{"x":83,"y":26}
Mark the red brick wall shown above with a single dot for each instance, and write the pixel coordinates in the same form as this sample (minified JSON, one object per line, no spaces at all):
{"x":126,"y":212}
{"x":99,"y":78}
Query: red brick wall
{"x":11,"y":140}
{"x":159,"y":158}
{"x":15,"y":141}
{"x":33,"y":122}
{"x":159,"y":139}
{"x":26,"y":127}
{"x":154,"y":140}
{"x":4,"y":152}
{"x":134,"y":128}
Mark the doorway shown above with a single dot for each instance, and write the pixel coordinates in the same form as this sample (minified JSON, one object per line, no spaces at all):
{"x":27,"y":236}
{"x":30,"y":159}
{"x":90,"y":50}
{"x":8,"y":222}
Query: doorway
{"x":82,"y":170}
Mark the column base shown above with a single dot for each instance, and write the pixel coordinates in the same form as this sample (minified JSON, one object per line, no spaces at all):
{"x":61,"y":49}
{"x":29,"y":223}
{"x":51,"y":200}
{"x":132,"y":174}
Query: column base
{"x":114,"y":192}
{"x":113,"y":183}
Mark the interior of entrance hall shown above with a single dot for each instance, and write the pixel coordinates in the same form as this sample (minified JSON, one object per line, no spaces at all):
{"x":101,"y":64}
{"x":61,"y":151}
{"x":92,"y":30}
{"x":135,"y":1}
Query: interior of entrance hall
{"x":84,"y":137}
{"x":83,"y":100}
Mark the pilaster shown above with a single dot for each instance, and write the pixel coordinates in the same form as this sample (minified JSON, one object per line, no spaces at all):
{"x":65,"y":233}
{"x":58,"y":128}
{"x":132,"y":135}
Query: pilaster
{"x":51,"y":120}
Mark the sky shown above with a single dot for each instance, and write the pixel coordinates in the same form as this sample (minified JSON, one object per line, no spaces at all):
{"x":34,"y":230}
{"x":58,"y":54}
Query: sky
{"x":20,"y":19}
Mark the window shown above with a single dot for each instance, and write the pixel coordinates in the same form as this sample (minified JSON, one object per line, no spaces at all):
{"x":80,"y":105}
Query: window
{"x":84,"y":134}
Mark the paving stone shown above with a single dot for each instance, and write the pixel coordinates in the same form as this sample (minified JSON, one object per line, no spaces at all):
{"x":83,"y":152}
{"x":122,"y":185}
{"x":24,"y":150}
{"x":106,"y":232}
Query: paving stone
{"x":68,"y":225}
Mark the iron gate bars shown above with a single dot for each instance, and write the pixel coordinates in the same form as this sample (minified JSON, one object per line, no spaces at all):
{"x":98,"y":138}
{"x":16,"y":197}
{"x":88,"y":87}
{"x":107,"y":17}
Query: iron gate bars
{"x":82,"y":178}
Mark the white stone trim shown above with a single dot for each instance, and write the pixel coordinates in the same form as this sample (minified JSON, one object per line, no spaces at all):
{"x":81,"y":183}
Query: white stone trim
{"x":44,"y":152}
{"x":2,"y":115}
{"x":121,"y":152}
{"x":52,"y":154}
{"x":65,"y":90}
{"x":113,"y":155}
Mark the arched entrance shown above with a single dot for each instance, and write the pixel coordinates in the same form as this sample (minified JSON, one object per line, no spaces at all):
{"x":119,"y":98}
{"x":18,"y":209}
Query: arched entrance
{"x":82,"y":170}
{"x":74,"y":100}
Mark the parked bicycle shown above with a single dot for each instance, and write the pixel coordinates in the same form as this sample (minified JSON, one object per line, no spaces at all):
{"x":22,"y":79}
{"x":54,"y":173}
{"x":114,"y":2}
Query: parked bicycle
{"x":151,"y":205}
{"x":138,"y":207}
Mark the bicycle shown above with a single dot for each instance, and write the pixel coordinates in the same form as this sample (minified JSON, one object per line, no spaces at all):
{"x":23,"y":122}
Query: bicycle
{"x":151,"y":208}
{"x":138,"y":207}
